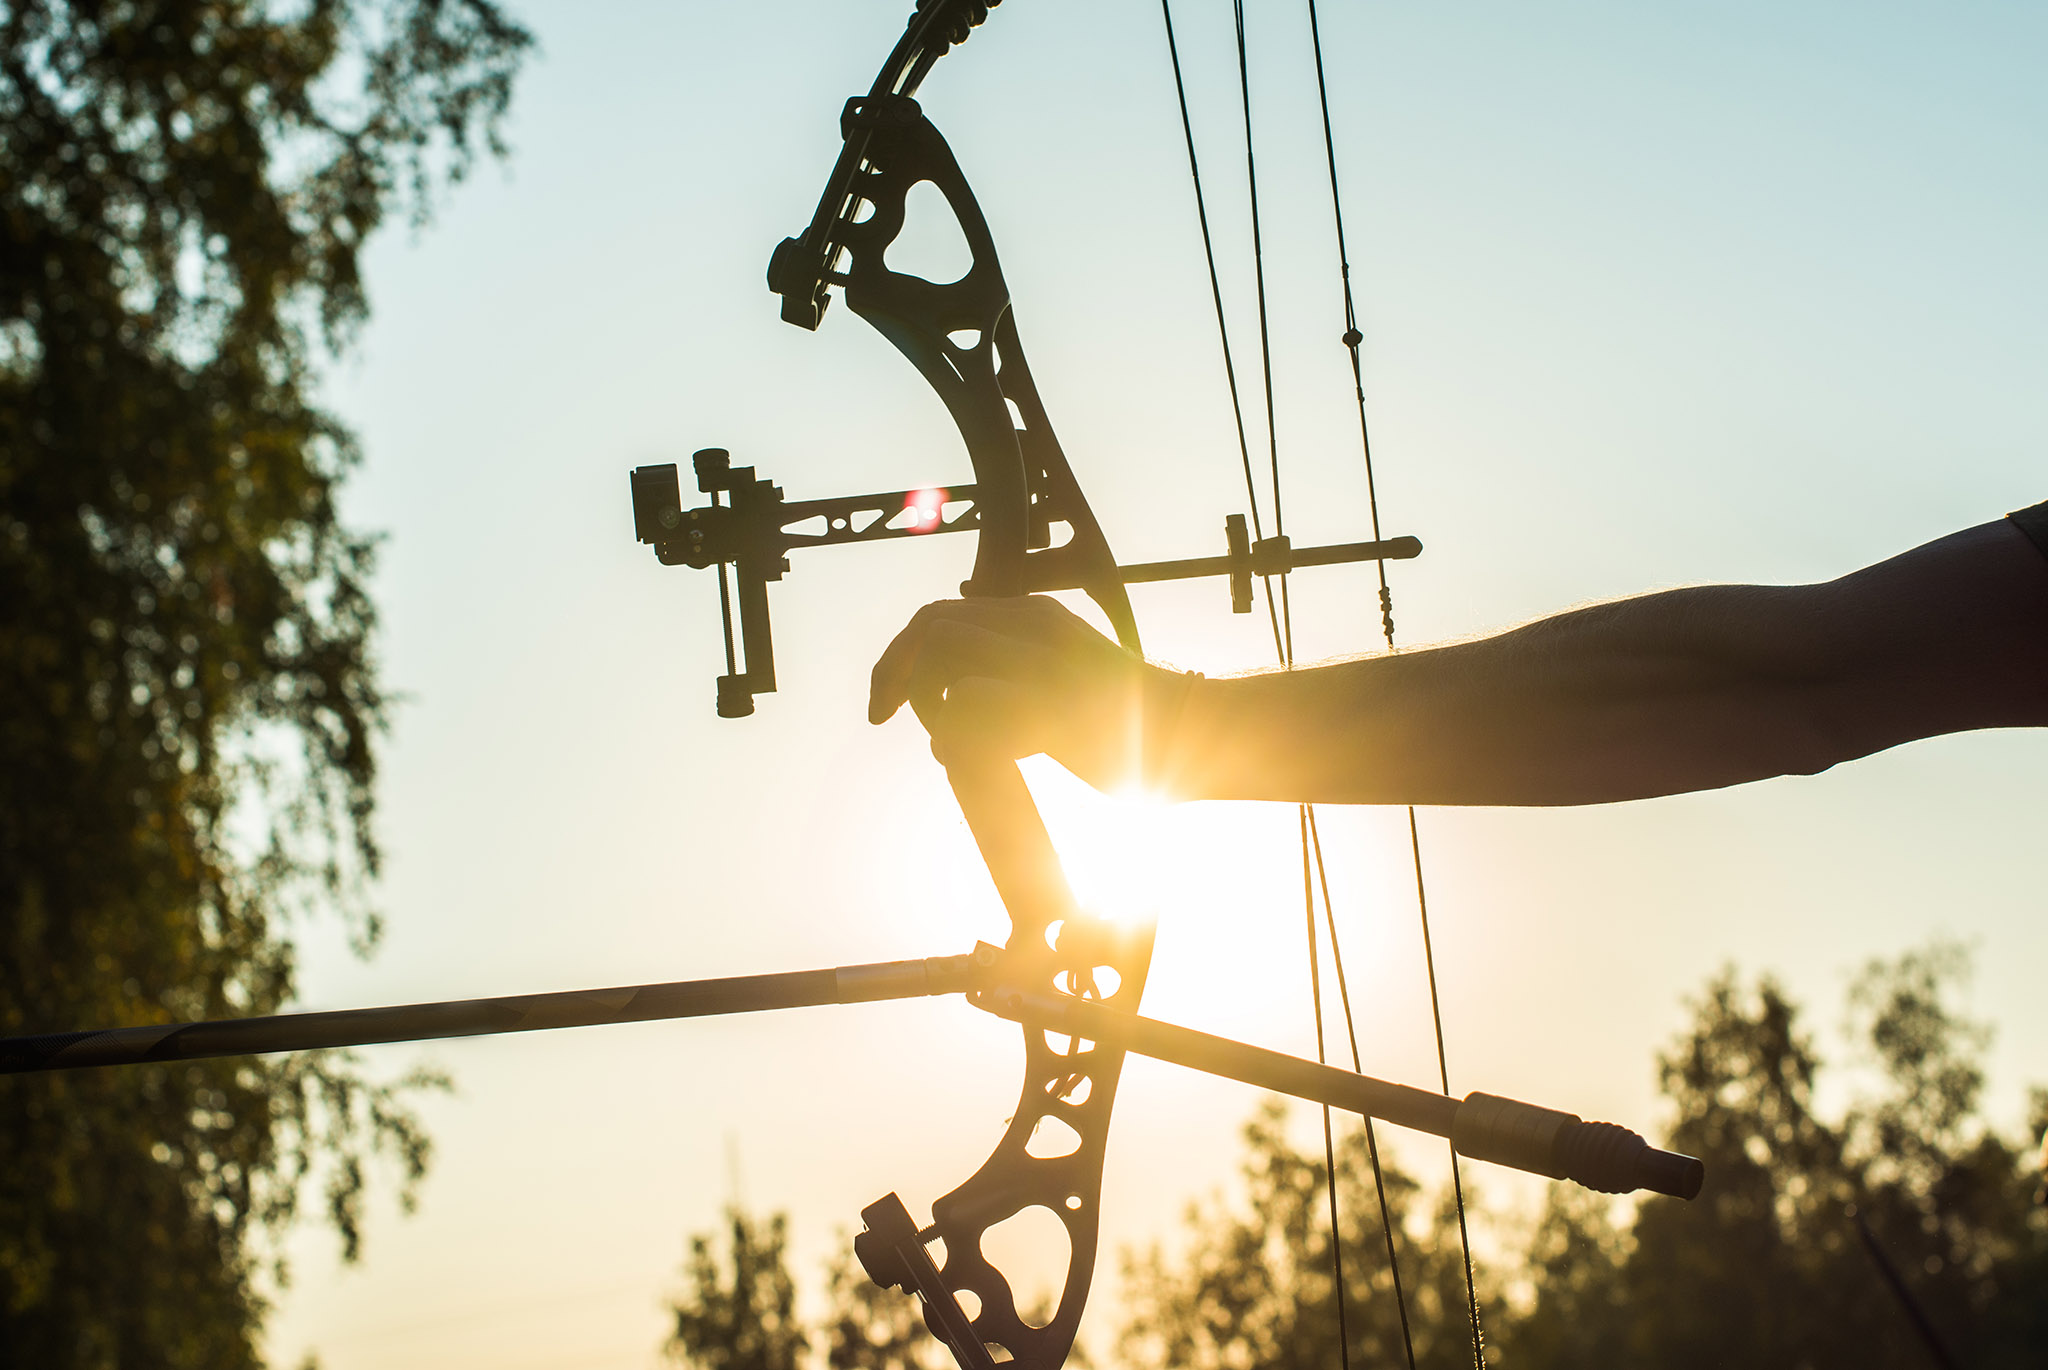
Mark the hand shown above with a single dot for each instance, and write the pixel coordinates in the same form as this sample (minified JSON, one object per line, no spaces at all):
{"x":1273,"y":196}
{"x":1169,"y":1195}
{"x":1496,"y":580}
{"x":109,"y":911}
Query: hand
{"x":1016,"y":677}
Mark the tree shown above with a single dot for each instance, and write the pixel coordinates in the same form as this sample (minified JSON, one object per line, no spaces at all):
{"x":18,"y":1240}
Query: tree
{"x":1767,"y":1266}
{"x":1706,"y":1282}
{"x":747,"y":1321}
{"x":1578,"y":1315}
{"x":1255,"y":1289}
{"x":871,"y":1328}
{"x":188,"y":697}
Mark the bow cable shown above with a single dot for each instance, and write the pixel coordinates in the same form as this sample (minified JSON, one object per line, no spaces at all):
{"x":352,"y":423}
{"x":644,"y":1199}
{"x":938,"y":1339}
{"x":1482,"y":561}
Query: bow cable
{"x":1314,"y":873}
{"x":1244,"y":449}
{"x":1352,"y":339}
{"x":1283,"y":642}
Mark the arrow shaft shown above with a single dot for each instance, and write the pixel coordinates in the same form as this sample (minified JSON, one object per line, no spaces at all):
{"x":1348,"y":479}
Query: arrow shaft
{"x":481,"y":1017}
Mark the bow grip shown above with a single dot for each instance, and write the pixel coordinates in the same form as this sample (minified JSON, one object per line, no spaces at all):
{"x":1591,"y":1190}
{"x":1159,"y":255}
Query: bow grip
{"x":1014,"y":844}
{"x":1050,"y":947}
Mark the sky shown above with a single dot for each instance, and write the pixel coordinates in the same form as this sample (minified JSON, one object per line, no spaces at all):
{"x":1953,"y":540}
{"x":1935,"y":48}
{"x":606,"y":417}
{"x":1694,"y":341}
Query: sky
{"x":1652,"y":295}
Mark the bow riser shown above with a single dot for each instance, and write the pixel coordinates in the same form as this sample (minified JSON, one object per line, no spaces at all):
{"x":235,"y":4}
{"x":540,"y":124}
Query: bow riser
{"x":1056,"y":948}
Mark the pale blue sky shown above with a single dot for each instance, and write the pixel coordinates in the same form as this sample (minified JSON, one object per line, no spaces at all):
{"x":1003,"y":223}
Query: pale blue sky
{"x":1653,"y":295}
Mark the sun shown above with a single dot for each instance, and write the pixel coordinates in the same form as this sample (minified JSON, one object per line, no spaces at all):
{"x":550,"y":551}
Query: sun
{"x":1109,"y":844}
{"x":1223,"y":884}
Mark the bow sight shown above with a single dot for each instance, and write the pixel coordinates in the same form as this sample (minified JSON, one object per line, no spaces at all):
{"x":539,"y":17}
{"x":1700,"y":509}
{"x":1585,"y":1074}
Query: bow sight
{"x":749,"y":527}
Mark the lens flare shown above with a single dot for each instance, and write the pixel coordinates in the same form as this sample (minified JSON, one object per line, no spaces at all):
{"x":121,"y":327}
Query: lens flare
{"x":926,"y":509}
{"x":1114,"y":847}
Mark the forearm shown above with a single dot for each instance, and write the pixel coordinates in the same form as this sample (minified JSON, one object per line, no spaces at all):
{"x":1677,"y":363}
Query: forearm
{"x":1684,"y":690}
{"x":1613,"y":702}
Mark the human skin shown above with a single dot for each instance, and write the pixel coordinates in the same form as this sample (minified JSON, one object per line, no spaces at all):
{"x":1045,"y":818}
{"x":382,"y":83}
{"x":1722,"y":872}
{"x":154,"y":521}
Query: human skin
{"x":1680,"y":690}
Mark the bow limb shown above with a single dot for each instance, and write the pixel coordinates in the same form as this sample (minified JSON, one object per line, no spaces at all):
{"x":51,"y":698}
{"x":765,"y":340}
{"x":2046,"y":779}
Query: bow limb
{"x":1051,"y":1155}
{"x":963,"y":339}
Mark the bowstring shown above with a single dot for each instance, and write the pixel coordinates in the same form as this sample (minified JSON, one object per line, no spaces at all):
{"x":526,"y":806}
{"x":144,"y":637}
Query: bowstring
{"x":1244,"y":448}
{"x":1353,"y":338}
{"x":1314,"y":872}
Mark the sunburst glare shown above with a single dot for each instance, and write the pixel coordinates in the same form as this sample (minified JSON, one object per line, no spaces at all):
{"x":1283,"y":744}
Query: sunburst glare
{"x":1110,"y":845}
{"x":1223,"y":881}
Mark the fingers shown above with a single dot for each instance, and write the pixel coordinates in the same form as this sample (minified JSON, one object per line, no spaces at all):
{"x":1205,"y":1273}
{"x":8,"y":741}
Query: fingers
{"x":1014,"y":677}
{"x":989,"y":718}
{"x":1015,"y":639}
{"x":889,"y":682}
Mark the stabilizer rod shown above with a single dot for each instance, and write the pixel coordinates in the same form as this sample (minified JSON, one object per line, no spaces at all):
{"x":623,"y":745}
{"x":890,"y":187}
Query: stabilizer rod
{"x":1486,"y":1127}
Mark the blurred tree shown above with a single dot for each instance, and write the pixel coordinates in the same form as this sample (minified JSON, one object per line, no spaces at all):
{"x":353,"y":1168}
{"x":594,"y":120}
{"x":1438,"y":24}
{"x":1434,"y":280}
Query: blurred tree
{"x":1254,"y":1290}
{"x":747,"y":1322}
{"x":187,"y":696}
{"x":1766,"y":1267}
{"x":1708,"y":1282}
{"x":1571,"y":1270}
{"x":871,"y":1328}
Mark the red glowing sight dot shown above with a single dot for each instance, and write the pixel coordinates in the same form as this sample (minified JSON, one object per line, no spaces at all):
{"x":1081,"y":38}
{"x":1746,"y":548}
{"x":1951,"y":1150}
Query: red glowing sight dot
{"x":925,"y":507}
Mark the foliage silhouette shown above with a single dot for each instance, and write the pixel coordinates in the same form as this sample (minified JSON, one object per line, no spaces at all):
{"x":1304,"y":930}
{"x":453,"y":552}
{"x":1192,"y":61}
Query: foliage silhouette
{"x":188,"y":699}
{"x":871,"y":1328}
{"x":1767,"y":1266}
{"x":1254,"y":1290}
{"x":747,"y":1320}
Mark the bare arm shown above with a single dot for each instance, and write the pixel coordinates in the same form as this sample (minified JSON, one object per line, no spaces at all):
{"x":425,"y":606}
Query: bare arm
{"x":1684,"y":690}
